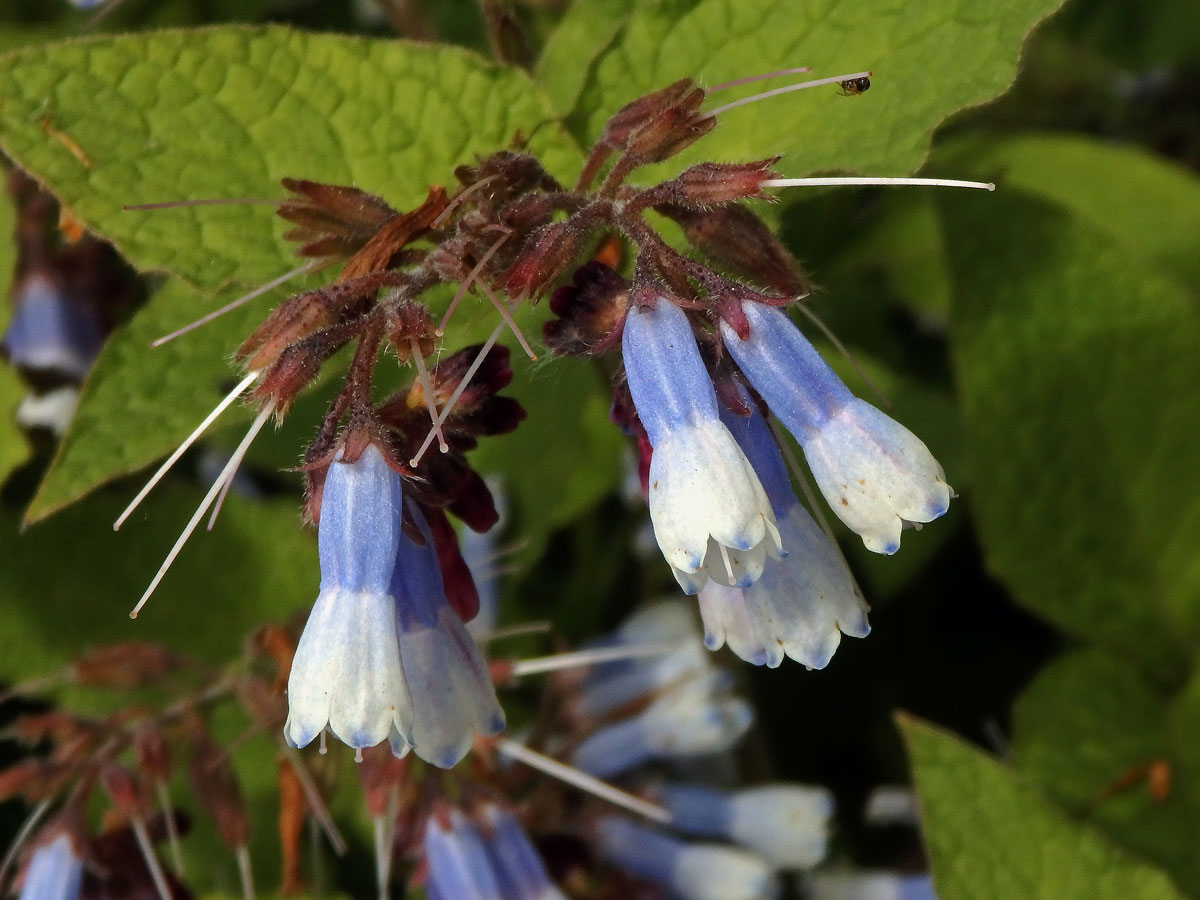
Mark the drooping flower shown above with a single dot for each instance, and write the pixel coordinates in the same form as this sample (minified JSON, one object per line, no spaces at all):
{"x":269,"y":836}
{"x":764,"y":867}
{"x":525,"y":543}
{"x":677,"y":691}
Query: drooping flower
{"x":803,"y":603}
{"x":55,"y":871}
{"x":346,"y":674}
{"x":875,"y":473}
{"x":870,"y":885}
{"x":494,"y":862}
{"x":450,"y":690}
{"x":695,"y":717}
{"x":687,"y":871}
{"x":49,"y":332}
{"x":711,"y":516}
{"x":786,"y":824}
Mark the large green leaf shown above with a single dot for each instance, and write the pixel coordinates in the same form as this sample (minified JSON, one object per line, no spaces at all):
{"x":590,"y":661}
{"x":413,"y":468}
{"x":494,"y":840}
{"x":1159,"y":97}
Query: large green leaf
{"x":227,"y":112}
{"x":994,"y":836}
{"x":1080,"y":390}
{"x":1089,"y":730}
{"x":13,"y":450}
{"x":69,"y":583}
{"x":930,"y":59}
{"x":1144,"y":200}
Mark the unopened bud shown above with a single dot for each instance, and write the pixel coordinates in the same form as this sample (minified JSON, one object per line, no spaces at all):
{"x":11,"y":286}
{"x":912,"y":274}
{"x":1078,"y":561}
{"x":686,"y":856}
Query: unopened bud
{"x":124,"y":791}
{"x":710,"y":184}
{"x":151,"y":752}
{"x":634,"y":115}
{"x":543,"y":258}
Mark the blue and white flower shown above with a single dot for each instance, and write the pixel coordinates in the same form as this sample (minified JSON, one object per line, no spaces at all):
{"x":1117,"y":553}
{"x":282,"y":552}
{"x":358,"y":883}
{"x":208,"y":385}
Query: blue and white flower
{"x":687,"y":871}
{"x":785,"y":824}
{"x":696,"y":717}
{"x":450,"y":688}
{"x":346,"y":674}
{"x":876,"y":475}
{"x":55,"y":871}
{"x":803,"y":603}
{"x":711,"y":516}
{"x":49,"y":332}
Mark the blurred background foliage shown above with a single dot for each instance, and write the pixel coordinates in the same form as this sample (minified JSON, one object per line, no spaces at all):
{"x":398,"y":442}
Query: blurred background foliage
{"x":1042,"y":340}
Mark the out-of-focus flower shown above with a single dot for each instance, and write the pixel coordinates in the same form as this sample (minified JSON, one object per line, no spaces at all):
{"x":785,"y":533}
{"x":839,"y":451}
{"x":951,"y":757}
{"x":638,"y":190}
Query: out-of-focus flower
{"x":875,"y":473}
{"x":493,"y":862}
{"x":55,"y":871}
{"x":687,"y":871}
{"x":711,"y":516}
{"x":891,"y":804}
{"x":48,"y":332}
{"x":786,"y":824}
{"x":694,"y":718}
{"x":868,"y":885}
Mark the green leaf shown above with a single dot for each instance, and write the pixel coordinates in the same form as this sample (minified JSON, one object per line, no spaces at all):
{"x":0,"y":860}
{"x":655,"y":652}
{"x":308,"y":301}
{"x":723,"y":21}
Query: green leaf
{"x":929,"y":59}
{"x":1080,"y":386}
{"x":139,"y":403}
{"x":992,"y":835}
{"x":228,"y":111}
{"x":584,"y":32}
{"x":69,"y":583}
{"x":1144,"y":200}
{"x":13,"y":449}
{"x":1088,"y":730}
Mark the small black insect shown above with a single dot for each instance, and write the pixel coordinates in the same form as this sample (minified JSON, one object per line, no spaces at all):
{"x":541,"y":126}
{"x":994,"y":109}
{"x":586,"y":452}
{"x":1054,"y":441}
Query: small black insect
{"x":853,"y":86}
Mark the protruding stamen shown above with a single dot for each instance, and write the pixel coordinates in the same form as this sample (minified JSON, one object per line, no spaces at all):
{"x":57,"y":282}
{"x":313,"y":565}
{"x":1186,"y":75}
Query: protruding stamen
{"x":457,"y":201}
{"x":427,"y":389}
{"x":152,"y":863}
{"x":462,"y":386}
{"x":725,"y":560}
{"x":101,"y":14}
{"x":466,"y":285}
{"x":522,"y":630}
{"x":322,"y":746}
{"x":750,"y":79}
{"x":247,"y":874}
{"x":164,"y":803}
{"x":593,"y":657}
{"x":234,"y":304}
{"x":183,"y":448}
{"x":215,"y":201}
{"x":844,"y":350}
{"x":787,"y":89}
{"x":383,"y":856}
{"x":582,"y":780}
{"x":216,"y":510}
{"x":876,"y":182}
{"x":225,"y":474}
{"x":506,"y":315}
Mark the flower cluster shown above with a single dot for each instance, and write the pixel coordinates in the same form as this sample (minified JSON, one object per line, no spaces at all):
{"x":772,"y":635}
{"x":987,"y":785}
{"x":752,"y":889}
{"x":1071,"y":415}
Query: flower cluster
{"x":708,"y":372}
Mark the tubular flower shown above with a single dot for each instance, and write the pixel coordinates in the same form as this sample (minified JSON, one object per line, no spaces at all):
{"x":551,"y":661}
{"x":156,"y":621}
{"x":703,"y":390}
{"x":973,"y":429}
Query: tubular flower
{"x":688,"y":871}
{"x":786,"y":824}
{"x":496,"y":862}
{"x":55,"y":871}
{"x":346,"y":673}
{"x":711,"y":516}
{"x":449,"y":686}
{"x":875,"y":473}
{"x":802,"y":604}
{"x":695,"y":718}
{"x":49,"y":332}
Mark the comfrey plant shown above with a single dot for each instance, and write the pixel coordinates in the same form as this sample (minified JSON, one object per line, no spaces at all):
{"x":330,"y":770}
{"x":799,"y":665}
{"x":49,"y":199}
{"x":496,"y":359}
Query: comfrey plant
{"x":705,"y":358}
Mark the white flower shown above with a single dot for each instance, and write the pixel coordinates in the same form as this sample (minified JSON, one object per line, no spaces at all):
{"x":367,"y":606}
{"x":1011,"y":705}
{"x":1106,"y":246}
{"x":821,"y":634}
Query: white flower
{"x":876,"y":474}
